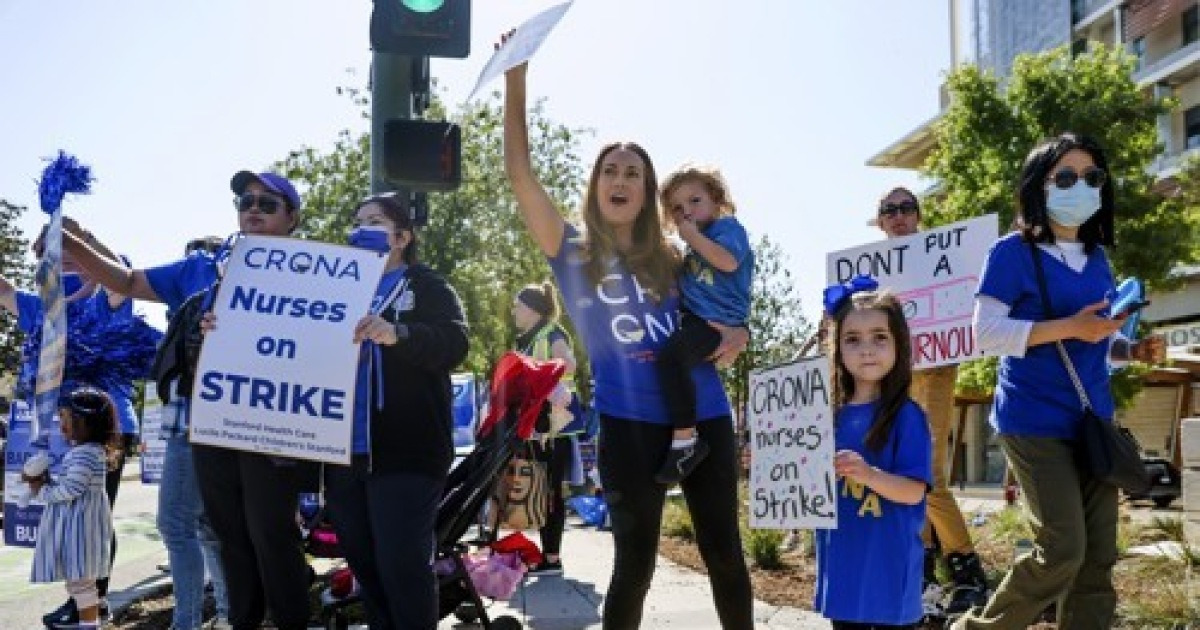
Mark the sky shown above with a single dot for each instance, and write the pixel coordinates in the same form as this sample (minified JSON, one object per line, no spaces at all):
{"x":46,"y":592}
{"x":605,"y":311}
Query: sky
{"x":166,"y":100}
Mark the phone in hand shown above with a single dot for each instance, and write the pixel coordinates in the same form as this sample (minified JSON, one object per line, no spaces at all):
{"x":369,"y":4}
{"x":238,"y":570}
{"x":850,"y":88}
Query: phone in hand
{"x":1130,"y":308}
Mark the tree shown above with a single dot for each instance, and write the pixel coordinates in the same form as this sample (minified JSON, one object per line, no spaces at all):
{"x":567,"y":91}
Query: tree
{"x":475,"y":235}
{"x":990,"y":126}
{"x":14,"y":265}
{"x":777,"y":325}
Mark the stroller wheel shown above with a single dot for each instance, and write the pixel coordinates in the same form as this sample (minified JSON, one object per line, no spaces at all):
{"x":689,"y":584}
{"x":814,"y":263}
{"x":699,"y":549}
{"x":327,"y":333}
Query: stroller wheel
{"x":467,"y":613}
{"x":505,"y":623}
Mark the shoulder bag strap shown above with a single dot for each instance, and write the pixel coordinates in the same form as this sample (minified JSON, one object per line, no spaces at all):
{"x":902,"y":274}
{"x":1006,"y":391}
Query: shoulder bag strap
{"x":1062,"y":351}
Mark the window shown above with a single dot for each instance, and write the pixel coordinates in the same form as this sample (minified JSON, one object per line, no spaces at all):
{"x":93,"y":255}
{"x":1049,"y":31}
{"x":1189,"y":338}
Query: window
{"x":1191,"y":126}
{"x":1079,"y":47}
{"x":1138,"y":48}
{"x":1191,"y":25}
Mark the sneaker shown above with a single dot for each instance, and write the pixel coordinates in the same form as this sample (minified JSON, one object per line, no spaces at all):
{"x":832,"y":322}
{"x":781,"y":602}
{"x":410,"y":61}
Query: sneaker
{"x":681,"y":462}
{"x":63,"y":615}
{"x":931,"y":602}
{"x":545,"y":567}
{"x":218,"y":623}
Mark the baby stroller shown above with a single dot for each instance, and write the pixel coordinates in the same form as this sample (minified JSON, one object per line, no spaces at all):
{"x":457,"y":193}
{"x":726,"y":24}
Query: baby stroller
{"x":519,"y":388}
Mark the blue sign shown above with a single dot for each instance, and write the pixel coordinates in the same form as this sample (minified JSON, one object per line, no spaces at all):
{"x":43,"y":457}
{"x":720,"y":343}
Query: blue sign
{"x":21,"y":524}
{"x":466,"y":410}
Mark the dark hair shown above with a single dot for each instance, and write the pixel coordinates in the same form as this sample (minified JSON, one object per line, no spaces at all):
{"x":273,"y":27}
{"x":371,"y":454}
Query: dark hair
{"x":93,"y":418}
{"x":399,"y":210}
{"x":895,"y":386}
{"x":540,"y":299}
{"x":208,"y":244}
{"x":651,"y":260}
{"x":900,"y":189}
{"x":1032,"y":218}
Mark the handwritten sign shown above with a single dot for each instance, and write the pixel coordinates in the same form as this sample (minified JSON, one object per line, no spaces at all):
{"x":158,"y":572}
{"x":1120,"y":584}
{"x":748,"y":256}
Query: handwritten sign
{"x":277,"y":376}
{"x":521,"y":46}
{"x":934,"y":274}
{"x":792,"y":484}
{"x":21,"y":523}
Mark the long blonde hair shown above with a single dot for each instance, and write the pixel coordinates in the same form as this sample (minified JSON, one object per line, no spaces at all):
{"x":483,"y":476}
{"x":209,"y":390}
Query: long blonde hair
{"x":651,"y":260}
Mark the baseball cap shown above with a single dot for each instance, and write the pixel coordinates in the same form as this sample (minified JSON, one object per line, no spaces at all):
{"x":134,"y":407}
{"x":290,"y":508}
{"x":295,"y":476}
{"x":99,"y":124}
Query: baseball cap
{"x":277,"y":184}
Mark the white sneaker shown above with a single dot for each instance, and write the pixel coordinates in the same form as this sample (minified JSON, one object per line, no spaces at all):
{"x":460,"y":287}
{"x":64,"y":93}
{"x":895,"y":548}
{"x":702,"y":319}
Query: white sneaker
{"x":931,"y":600}
{"x":218,"y":623}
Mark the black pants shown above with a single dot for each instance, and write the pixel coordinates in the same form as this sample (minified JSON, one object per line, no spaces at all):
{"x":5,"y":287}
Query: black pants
{"x":846,"y":625}
{"x":630,"y":453}
{"x":385,"y":524}
{"x":251,"y":502}
{"x":112,"y":484}
{"x":691,"y":345}
{"x":557,"y":455}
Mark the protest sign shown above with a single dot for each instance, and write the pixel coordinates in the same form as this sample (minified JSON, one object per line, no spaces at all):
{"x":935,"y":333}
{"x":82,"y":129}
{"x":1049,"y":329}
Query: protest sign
{"x":277,"y":375}
{"x":153,"y":448}
{"x":21,"y":523}
{"x":466,"y":410}
{"x":934,"y":274}
{"x":792,"y":485}
{"x":521,"y":47}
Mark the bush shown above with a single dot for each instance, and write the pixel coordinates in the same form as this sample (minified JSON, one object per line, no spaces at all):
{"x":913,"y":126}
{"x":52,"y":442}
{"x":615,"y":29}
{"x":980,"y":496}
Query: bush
{"x":677,"y":521}
{"x":765,"y":548}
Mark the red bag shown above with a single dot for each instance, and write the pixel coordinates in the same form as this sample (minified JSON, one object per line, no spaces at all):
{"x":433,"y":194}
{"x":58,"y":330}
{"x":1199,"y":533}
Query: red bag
{"x":517,"y":543}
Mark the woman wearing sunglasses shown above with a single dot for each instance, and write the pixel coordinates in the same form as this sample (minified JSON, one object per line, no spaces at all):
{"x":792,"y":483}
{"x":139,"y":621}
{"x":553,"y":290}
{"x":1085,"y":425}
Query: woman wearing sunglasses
{"x":249,"y":500}
{"x":1065,"y":218}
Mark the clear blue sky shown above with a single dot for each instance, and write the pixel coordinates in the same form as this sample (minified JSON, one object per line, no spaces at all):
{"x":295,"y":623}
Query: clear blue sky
{"x":165,"y":100}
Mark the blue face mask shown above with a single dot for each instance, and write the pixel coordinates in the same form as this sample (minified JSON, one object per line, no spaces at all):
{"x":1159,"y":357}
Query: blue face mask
{"x":371,"y":237}
{"x":1072,"y":207}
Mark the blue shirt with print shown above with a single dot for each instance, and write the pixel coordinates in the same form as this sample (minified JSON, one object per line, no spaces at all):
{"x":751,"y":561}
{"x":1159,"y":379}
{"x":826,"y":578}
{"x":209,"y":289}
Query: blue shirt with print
{"x":175,"y":282}
{"x":712,"y":294}
{"x":623,"y":326}
{"x":869,"y":568}
{"x":29,"y":317}
{"x":1034,"y":395}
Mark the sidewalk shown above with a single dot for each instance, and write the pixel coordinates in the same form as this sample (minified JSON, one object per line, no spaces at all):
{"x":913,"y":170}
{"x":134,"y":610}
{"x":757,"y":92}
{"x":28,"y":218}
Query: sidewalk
{"x":679,"y":598}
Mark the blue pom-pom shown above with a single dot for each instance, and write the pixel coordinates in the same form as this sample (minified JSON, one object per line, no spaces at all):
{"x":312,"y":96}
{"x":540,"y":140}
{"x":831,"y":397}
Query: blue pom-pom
{"x":64,"y":174}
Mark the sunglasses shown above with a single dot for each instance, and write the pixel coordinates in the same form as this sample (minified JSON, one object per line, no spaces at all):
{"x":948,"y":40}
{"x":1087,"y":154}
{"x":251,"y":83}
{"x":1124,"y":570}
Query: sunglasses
{"x":1066,"y":177}
{"x":902,"y":207}
{"x":266,"y":204}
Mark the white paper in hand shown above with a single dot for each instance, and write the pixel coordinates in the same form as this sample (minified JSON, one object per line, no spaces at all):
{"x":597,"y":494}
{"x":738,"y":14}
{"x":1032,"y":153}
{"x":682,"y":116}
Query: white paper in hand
{"x":521,"y":46}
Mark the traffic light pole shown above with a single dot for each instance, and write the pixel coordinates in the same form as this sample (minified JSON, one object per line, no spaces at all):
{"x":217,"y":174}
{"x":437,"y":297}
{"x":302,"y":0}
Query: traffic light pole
{"x":391,"y":97}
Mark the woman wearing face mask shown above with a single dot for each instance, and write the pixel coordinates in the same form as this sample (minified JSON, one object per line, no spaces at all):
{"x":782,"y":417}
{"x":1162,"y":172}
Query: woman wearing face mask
{"x":384,"y":505}
{"x":1065,"y":219}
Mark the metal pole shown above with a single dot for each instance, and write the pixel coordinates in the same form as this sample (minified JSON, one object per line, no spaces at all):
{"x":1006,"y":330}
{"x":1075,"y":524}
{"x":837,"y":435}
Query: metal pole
{"x":391,"y":97}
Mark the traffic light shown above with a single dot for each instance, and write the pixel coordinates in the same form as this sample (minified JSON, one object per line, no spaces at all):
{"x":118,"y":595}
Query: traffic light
{"x":428,"y":28}
{"x":423,"y":155}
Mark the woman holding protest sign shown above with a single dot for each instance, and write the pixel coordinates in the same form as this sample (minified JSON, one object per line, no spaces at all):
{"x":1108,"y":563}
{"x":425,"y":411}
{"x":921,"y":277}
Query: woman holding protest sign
{"x":249,"y":500}
{"x":384,"y":505}
{"x":618,"y":283}
{"x":1057,"y":258}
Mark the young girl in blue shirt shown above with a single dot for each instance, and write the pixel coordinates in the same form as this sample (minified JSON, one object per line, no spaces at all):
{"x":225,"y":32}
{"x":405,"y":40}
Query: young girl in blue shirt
{"x":869,"y":567}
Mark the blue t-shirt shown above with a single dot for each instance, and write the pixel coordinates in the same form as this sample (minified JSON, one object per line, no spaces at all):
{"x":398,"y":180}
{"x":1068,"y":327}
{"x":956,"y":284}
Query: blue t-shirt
{"x":623,"y":328}
{"x":29,"y":318}
{"x":1034,"y":395}
{"x":869,"y":568}
{"x":712,"y":294}
{"x":360,"y":434}
{"x":175,"y":282}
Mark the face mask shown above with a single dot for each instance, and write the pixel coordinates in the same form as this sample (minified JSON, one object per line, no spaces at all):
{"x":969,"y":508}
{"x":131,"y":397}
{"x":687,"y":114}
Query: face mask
{"x":370,"y":237}
{"x":1071,"y":207}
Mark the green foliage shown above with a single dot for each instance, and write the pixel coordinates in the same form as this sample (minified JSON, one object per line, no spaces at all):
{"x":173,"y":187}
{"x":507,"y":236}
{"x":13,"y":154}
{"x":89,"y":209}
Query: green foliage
{"x":475,"y":235}
{"x":777,"y":325}
{"x":677,"y":520}
{"x":765,"y":548}
{"x":16,"y":266}
{"x":989,"y":128}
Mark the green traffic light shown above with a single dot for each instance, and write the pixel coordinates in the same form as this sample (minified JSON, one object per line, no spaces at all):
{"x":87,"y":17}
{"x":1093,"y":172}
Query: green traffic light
{"x":423,"y":6}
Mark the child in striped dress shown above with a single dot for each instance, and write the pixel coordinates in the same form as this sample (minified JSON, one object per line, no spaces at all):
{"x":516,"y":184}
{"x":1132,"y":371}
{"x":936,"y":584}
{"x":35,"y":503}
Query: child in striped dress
{"x":76,"y":525}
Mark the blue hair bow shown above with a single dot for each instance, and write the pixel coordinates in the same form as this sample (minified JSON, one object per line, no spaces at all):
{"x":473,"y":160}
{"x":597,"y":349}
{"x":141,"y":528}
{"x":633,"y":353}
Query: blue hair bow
{"x":836,"y":295}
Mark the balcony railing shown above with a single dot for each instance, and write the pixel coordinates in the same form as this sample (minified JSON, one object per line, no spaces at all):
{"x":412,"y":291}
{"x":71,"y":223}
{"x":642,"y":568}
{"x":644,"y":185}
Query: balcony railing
{"x":1156,"y":70}
{"x":1081,"y":10}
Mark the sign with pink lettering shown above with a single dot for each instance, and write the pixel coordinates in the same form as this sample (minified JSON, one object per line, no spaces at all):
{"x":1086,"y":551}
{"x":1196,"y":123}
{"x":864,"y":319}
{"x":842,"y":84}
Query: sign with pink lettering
{"x":934,"y":273}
